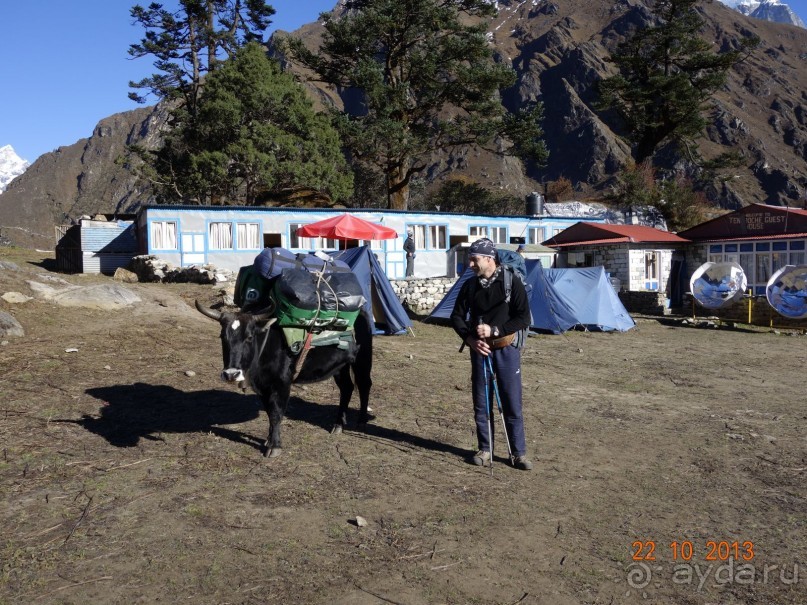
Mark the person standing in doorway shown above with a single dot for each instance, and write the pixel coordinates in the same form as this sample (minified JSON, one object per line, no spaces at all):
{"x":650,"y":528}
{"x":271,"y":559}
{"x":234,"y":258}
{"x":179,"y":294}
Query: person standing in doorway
{"x":409,"y":248}
{"x":487,"y":321}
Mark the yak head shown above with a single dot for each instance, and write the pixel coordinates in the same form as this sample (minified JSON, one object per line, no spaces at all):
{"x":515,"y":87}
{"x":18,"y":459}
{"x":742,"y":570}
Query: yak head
{"x":242,"y":338}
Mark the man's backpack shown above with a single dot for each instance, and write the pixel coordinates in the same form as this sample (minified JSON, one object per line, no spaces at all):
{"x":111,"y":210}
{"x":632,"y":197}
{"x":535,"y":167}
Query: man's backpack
{"x":516,"y":265}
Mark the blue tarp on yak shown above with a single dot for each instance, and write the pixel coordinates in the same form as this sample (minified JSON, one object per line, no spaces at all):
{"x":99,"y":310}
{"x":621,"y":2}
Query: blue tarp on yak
{"x":382,"y":304}
{"x":561,"y":299}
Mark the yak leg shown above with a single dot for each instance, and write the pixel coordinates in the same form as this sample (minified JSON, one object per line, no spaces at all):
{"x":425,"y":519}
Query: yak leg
{"x":275,"y":405}
{"x":345,"y":384}
{"x":361,"y":373}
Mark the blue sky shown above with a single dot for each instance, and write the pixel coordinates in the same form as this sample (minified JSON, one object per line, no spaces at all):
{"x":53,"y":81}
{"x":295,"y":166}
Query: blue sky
{"x":64,"y":65}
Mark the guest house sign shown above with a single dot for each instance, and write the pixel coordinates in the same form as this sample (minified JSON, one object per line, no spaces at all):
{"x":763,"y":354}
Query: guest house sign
{"x":756,"y":220}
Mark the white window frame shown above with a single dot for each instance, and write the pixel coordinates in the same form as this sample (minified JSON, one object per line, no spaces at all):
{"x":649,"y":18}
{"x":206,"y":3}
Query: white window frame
{"x":438,"y":236}
{"x":164,"y":235}
{"x":651,"y":265}
{"x":309,"y":243}
{"x":477,"y":231}
{"x":248,"y":235}
{"x":496,"y":233}
{"x":535,"y":235}
{"x":220,"y":235}
{"x":429,"y":236}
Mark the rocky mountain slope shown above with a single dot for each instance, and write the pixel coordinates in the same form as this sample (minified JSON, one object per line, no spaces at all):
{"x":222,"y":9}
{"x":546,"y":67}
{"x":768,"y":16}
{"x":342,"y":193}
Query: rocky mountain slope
{"x":560,"y":51}
{"x":86,"y":177}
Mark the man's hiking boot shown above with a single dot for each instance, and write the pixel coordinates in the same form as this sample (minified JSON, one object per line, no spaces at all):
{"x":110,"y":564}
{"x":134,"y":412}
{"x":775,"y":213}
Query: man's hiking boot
{"x":481,"y":458}
{"x":522,"y":463}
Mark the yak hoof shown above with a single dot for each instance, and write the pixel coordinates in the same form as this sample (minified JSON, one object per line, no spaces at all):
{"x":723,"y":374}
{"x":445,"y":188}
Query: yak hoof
{"x":336,"y":429}
{"x":272,"y":452}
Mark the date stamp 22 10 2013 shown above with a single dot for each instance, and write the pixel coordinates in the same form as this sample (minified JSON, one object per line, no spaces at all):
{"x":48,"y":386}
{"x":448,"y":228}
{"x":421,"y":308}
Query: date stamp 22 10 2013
{"x":686,"y":550}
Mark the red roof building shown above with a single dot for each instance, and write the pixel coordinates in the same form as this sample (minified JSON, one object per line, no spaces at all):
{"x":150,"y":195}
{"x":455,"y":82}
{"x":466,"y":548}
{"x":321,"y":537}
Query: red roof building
{"x":761,"y":239}
{"x":603,"y":233}
{"x":637,"y":257}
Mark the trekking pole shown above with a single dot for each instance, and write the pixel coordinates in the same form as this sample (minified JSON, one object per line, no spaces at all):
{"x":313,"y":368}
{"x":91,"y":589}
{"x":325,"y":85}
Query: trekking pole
{"x":501,"y":412}
{"x":488,"y":405}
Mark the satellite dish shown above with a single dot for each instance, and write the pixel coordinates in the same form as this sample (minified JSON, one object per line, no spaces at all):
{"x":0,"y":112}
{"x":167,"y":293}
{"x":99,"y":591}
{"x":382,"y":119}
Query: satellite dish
{"x":716,"y":285}
{"x":787,"y":291}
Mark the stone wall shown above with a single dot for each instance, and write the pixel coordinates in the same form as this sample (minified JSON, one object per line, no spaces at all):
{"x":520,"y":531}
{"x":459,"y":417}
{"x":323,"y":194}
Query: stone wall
{"x":646,"y":303}
{"x":150,"y":268}
{"x":421,"y":295}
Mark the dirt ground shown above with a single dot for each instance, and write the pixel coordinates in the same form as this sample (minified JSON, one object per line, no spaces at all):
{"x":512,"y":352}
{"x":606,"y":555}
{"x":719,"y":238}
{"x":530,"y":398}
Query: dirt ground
{"x":670,"y":467}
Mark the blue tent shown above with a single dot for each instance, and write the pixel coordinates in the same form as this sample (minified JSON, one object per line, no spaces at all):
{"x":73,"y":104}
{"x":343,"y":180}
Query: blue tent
{"x":550,"y":313}
{"x":382,"y":304}
{"x":593,"y":302}
{"x":561,"y":299}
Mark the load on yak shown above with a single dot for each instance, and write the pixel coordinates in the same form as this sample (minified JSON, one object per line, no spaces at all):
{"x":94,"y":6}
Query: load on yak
{"x":301,"y":321}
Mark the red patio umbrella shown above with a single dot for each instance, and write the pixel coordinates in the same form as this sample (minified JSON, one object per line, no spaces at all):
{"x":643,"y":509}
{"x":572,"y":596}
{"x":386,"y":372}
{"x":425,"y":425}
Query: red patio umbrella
{"x":345,"y":227}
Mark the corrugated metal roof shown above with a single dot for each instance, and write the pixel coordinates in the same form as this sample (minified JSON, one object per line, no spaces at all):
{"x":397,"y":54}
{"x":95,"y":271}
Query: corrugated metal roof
{"x":618,"y":240}
{"x":596,"y":233}
{"x":289,"y":209}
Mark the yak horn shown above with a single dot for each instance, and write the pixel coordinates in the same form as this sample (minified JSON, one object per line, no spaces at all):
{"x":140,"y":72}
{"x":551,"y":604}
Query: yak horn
{"x":211,"y":313}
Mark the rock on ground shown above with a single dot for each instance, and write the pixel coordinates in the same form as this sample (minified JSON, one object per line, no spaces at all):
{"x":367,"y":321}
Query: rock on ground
{"x":9,"y":326}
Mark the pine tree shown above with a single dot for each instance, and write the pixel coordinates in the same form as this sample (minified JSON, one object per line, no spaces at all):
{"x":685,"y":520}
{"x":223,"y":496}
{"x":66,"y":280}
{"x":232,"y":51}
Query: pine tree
{"x":255,"y":131}
{"x":192,"y":41}
{"x":427,"y":81}
{"x":667,"y":76}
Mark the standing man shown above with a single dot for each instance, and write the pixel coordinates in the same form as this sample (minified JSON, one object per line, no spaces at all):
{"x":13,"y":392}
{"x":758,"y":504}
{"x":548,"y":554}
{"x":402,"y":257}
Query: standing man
{"x":409,"y":248}
{"x":487,"y":323}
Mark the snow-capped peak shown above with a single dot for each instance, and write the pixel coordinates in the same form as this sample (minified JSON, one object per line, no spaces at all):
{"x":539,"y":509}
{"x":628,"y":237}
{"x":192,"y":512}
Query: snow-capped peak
{"x":767,"y":10}
{"x":11,"y":166}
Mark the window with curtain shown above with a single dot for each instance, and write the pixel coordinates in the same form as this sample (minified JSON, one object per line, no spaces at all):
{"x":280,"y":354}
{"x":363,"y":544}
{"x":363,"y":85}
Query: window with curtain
{"x":763,"y":269}
{"x":163,"y":235}
{"x":419,"y":236}
{"x":437,"y":236}
{"x":651,"y":265}
{"x":498,"y":235}
{"x":249,"y":236}
{"x":309,"y":243}
{"x":797,"y":252}
{"x":477,"y":231}
{"x":220,"y":236}
{"x":747,"y":263}
{"x":535,"y":235}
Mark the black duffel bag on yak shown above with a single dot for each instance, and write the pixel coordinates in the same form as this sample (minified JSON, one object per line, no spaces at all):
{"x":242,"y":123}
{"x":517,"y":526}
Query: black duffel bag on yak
{"x":306,"y":293}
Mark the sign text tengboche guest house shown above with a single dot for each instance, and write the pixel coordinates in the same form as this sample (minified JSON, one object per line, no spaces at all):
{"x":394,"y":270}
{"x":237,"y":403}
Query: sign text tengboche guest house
{"x":761,"y":239}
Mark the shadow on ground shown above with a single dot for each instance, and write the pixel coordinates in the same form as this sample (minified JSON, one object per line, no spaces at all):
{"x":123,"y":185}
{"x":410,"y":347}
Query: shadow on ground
{"x":130,"y":412}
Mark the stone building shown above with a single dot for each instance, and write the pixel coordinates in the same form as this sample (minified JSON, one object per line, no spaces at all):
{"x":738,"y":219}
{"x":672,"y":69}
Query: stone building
{"x":637,"y":257}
